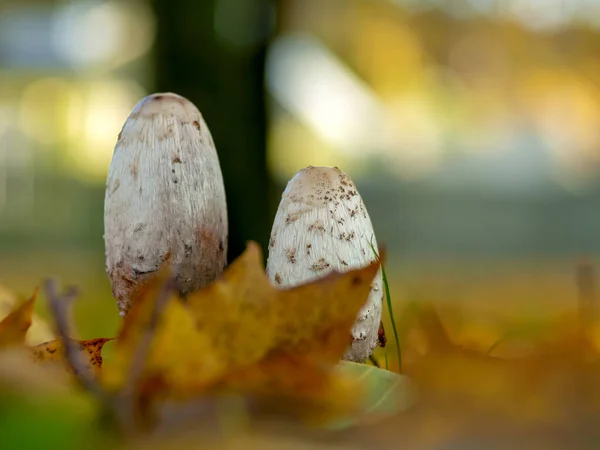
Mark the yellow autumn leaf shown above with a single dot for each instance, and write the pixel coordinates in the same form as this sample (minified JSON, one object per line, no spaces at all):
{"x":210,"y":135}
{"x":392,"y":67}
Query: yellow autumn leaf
{"x":555,"y":380}
{"x":39,"y":331}
{"x":247,"y":316}
{"x":243,"y":334}
{"x":15,"y":325}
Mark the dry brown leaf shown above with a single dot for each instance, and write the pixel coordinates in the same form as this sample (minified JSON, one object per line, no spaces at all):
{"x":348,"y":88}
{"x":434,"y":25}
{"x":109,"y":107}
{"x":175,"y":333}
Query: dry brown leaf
{"x":54,"y":351}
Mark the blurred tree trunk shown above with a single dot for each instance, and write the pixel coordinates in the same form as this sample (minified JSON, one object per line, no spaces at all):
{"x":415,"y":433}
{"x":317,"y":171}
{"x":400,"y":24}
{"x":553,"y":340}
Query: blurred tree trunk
{"x":213,"y":53}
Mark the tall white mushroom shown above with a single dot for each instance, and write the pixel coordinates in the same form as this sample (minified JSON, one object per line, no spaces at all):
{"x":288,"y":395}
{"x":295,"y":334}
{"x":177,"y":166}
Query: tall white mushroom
{"x":165,"y":199}
{"x":322,"y":225}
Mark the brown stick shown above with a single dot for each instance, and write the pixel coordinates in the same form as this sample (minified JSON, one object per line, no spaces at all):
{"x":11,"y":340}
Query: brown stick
{"x":59,"y":305}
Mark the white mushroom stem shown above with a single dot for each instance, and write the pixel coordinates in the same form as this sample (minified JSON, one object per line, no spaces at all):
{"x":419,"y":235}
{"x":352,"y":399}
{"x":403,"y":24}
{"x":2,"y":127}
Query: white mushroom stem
{"x":165,"y":199}
{"x":322,"y":225}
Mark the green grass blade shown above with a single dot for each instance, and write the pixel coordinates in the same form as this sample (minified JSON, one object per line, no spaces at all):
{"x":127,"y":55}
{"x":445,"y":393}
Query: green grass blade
{"x":386,"y":359}
{"x":494,"y":345}
{"x":388,"y":297}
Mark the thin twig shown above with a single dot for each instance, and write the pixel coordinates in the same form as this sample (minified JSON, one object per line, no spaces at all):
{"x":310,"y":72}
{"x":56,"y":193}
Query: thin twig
{"x":122,"y":406}
{"x":59,"y":305}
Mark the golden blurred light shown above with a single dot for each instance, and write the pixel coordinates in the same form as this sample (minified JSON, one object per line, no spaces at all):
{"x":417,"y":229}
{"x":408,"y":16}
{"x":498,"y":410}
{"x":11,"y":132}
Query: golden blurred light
{"x":343,"y":112}
{"x":421,"y":93}
{"x":417,"y":138}
{"x":96,"y":122}
{"x":42,"y":109}
{"x":139,"y":31}
{"x":310,"y":82}
{"x":566,"y":112}
{"x":388,"y":54}
{"x":480,"y":59}
{"x":292,"y":146}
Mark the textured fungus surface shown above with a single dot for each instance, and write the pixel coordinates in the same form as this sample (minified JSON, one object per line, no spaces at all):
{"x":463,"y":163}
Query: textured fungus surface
{"x":165,"y":199}
{"x":322,"y":225}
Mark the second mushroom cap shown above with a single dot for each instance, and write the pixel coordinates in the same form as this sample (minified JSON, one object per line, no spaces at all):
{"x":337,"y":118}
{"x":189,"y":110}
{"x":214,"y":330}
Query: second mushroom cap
{"x":322,"y":225}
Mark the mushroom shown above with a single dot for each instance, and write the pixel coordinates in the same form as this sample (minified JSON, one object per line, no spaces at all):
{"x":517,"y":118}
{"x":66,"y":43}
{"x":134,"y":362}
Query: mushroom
{"x":322,"y":225}
{"x":165,"y":199}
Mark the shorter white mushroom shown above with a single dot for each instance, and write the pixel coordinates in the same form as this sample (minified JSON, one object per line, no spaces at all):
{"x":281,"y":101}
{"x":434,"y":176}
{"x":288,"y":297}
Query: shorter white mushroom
{"x":165,"y":199}
{"x":322,"y":225}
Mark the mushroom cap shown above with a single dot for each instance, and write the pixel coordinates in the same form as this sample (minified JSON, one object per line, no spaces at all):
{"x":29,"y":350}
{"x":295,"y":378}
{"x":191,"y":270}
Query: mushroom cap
{"x":316,"y":186}
{"x":167,"y":103}
{"x":322,"y":225}
{"x":165,"y":199}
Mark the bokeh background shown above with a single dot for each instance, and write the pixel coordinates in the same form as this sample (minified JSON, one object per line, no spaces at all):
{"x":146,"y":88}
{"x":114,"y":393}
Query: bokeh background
{"x":471,"y":127}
